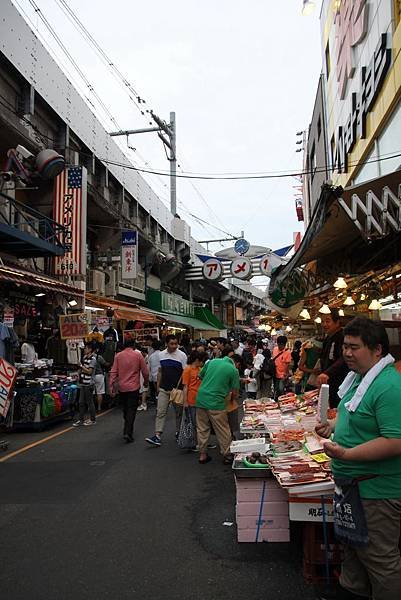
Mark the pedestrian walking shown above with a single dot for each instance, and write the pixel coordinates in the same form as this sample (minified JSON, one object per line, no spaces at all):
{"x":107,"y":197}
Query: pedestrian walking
{"x":172,"y":363}
{"x":100,"y":379}
{"x":144,"y":389}
{"x":282,"y":361}
{"x":251,"y":385}
{"x":125,"y":374}
{"x":154,"y":365}
{"x":219,"y":377}
{"x":87,"y":386}
{"x":366,"y":465}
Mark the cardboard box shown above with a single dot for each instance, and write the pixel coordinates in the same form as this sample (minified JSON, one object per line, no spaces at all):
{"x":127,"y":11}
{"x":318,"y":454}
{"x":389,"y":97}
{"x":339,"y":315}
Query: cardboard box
{"x":266,"y":535}
{"x":269,"y":509}
{"x":267,"y":523}
{"x":255,"y":495}
{"x":256,"y":484}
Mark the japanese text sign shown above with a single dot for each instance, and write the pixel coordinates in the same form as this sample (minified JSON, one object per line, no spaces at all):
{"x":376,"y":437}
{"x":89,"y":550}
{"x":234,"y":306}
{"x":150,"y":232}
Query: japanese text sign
{"x":129,"y":254}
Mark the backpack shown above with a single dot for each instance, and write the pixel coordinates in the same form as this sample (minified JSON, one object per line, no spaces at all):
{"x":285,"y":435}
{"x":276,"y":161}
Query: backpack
{"x":268,"y":369}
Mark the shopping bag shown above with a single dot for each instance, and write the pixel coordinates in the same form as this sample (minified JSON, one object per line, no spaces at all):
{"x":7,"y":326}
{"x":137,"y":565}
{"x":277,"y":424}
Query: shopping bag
{"x":177,"y":395}
{"x":187,"y":434}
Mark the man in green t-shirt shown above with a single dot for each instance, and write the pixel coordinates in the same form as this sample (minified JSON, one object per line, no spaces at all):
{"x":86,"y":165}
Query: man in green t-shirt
{"x":219,"y":377}
{"x":367,"y":446}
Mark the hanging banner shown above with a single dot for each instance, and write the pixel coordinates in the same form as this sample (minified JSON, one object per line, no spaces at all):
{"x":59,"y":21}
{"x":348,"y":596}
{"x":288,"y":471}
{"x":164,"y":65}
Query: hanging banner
{"x":8,"y":374}
{"x":139,"y":335}
{"x":129,"y":254}
{"x":74,"y":326}
{"x":69,"y":209}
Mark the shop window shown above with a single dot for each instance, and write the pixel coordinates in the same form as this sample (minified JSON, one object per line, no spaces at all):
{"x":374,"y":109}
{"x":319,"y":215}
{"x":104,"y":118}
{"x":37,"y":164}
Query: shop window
{"x":328,"y":61}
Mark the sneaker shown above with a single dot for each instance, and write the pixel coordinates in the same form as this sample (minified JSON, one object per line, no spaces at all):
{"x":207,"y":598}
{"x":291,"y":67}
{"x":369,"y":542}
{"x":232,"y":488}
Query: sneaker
{"x":89,"y":422}
{"x":142,"y":407}
{"x":211,"y":446}
{"x":155,"y":440}
{"x":77,"y":423}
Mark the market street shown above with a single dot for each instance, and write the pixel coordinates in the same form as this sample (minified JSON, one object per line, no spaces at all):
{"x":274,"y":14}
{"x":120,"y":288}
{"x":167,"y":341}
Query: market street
{"x":85,"y":516}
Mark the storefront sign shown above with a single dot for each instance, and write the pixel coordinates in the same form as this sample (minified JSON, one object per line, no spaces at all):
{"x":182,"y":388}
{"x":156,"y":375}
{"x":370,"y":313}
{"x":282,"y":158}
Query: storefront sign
{"x":213,"y":270}
{"x":129,"y":254}
{"x":372,"y":78}
{"x":351,"y":19}
{"x":74,"y":326}
{"x":139,"y":335}
{"x":7,"y":378}
{"x":241,"y":268}
{"x":8,"y":318}
{"x":176,"y":305}
{"x":311,"y":509}
{"x":69,"y":209}
{"x":24,"y":305}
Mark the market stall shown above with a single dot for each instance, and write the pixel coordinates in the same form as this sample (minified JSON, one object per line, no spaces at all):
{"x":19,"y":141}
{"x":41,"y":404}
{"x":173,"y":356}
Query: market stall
{"x":282,"y":475}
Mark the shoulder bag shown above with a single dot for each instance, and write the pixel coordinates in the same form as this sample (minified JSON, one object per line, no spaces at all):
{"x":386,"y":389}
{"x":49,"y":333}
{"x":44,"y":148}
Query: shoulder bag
{"x":177,"y":395}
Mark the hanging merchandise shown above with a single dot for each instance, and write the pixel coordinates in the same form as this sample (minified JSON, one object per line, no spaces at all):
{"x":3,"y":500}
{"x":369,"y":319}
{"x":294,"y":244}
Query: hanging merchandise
{"x":47,"y":408}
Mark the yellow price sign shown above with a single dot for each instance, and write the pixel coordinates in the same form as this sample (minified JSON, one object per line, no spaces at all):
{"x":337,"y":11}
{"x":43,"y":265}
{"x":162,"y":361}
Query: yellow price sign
{"x":321,"y":457}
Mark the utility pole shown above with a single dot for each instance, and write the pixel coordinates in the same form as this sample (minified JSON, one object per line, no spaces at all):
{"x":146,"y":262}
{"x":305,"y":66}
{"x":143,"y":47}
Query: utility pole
{"x":170,"y":141}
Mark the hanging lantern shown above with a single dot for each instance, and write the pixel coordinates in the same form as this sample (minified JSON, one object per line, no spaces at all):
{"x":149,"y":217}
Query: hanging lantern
{"x":340,"y":284}
{"x":375,"y":305}
{"x":325,"y":309}
{"x":349,"y":301}
{"x":304,"y":313}
{"x":318,"y":319}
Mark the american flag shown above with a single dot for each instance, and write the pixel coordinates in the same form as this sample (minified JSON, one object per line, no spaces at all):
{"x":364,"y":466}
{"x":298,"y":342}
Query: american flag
{"x":68,"y":211}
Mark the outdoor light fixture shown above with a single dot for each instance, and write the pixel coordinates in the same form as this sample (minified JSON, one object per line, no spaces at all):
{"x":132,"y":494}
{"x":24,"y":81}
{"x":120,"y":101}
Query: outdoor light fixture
{"x":341,"y":313}
{"x":72,"y":302}
{"x":40,"y":294}
{"x":340,"y":284}
{"x":273,"y":332}
{"x":318,"y":319}
{"x":325,"y":309}
{"x":363,"y":296}
{"x":349,"y":301}
{"x":308,"y":7}
{"x":374,"y":305}
{"x":304,"y":313}
{"x":288,"y":329}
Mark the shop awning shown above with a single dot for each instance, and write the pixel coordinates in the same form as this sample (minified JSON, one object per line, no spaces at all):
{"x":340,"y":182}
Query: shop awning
{"x":202,"y":313}
{"x":186,"y":321}
{"x":352,"y":231}
{"x":122,"y":310}
{"x":14,"y":273}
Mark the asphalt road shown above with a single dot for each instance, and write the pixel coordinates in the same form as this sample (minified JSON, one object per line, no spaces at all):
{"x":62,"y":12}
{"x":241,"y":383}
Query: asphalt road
{"x":84,"y":516}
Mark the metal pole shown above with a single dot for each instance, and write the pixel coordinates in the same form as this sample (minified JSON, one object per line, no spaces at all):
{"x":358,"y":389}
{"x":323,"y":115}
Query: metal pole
{"x":173,"y":165}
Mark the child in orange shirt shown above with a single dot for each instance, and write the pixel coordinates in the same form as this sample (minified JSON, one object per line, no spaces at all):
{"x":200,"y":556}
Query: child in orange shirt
{"x":191,"y":381}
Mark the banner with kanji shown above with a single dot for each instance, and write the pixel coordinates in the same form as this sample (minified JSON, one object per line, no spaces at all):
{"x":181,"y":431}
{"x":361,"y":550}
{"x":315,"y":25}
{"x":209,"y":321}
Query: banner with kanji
{"x":129,"y":254}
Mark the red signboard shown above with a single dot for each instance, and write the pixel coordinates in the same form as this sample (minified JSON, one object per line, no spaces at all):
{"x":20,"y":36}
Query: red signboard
{"x":7,"y":378}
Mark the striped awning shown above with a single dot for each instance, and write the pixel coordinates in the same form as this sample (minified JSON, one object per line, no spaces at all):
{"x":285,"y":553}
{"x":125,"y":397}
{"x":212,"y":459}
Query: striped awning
{"x":14,"y":273}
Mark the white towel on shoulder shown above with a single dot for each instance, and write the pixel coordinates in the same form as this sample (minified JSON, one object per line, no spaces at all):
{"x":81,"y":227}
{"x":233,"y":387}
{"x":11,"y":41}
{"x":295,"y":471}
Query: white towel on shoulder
{"x":367,"y":379}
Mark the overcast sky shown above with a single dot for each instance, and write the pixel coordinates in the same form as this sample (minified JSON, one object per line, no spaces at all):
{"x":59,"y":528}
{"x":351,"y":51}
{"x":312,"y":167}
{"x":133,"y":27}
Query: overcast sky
{"x":241,"y":77}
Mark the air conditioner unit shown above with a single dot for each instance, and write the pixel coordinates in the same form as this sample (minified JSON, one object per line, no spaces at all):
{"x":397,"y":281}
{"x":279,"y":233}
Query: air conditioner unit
{"x":96,"y":281}
{"x":112,"y":279}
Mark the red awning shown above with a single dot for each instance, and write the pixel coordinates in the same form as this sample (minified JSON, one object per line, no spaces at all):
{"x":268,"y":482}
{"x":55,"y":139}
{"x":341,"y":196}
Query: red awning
{"x":16,"y":274}
{"x":122,"y":310}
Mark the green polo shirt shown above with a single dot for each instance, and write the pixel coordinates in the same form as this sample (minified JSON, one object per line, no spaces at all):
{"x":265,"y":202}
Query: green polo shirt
{"x":378,"y":415}
{"x":219,"y":376}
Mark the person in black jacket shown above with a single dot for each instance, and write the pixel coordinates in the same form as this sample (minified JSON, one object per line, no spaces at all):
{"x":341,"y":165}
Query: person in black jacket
{"x":333,"y":366}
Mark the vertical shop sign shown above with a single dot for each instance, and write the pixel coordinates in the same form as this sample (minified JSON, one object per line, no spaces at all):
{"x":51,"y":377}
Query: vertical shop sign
{"x":7,"y":378}
{"x":69,"y":209}
{"x":129,"y":254}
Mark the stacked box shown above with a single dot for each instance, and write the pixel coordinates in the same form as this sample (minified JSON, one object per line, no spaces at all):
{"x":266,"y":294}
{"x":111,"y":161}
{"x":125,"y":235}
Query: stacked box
{"x":315,"y":554}
{"x":274,"y":521}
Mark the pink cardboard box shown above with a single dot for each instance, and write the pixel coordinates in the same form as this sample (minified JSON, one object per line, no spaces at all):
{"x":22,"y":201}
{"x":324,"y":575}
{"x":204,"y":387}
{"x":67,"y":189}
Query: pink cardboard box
{"x":254,"y":495}
{"x":252,"y":484}
{"x":267,"y":523}
{"x":265,"y":535}
{"x":270,"y":509}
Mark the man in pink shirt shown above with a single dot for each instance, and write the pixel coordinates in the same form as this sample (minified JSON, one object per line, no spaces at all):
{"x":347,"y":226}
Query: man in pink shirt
{"x":125,"y":378}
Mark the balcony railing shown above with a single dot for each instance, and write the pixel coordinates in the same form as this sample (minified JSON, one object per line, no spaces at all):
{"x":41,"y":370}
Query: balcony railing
{"x":26,"y":232}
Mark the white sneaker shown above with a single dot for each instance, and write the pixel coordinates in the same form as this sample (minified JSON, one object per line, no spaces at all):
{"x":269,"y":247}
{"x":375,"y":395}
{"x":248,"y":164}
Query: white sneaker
{"x":88,"y":423}
{"x":142,"y":407}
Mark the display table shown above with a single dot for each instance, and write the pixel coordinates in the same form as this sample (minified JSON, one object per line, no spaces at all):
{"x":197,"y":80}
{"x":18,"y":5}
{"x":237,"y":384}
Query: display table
{"x":295,"y":485}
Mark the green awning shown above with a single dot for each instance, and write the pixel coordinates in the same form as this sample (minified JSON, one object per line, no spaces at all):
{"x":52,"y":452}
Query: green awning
{"x":187,"y":321}
{"x":205,"y":314}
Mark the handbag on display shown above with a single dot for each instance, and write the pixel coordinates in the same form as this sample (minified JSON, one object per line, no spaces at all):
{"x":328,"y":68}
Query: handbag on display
{"x":187,"y":434}
{"x":177,"y":395}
